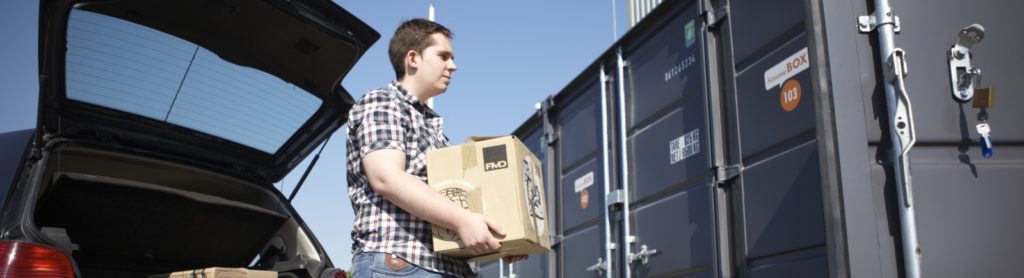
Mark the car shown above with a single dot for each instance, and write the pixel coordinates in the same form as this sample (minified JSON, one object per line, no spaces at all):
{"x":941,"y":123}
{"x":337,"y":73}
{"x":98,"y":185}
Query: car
{"x":162,"y":128}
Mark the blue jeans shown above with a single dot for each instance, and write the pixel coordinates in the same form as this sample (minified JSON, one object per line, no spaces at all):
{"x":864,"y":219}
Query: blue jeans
{"x":370,"y":265}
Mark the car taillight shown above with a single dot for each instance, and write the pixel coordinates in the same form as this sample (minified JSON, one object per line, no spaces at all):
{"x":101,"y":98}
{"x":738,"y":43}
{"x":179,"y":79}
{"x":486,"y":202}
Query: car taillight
{"x":22,"y":259}
{"x":334,"y":273}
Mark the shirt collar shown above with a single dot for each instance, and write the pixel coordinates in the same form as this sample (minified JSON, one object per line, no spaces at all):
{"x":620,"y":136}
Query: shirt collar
{"x":408,"y":97}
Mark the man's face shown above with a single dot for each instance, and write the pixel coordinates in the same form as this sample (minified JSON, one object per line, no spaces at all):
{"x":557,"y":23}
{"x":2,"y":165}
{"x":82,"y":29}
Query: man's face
{"x":436,"y":64}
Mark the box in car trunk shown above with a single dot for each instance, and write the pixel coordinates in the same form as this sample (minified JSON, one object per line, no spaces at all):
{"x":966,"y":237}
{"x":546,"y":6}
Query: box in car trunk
{"x":218,"y":272}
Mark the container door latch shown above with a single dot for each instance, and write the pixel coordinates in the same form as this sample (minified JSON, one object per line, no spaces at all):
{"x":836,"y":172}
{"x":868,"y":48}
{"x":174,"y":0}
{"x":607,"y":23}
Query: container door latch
{"x":599,"y":267}
{"x":962,"y":75}
{"x":642,"y":255}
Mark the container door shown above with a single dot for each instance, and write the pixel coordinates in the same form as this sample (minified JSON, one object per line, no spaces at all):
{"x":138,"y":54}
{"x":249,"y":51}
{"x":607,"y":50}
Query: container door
{"x":532,"y":135}
{"x":580,"y":183}
{"x":779,"y":228}
{"x":671,"y":229}
{"x":967,"y":205}
{"x":491,"y":269}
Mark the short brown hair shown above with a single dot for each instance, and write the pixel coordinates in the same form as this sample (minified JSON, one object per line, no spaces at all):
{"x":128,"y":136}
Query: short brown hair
{"x":413,"y":34}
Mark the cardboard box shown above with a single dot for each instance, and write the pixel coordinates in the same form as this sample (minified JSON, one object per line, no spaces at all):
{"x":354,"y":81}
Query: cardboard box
{"x":498,"y":177}
{"x":218,"y":272}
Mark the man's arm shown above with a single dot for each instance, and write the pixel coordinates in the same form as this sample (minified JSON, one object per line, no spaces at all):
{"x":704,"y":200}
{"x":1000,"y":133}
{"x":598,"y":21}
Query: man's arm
{"x":385,"y":170}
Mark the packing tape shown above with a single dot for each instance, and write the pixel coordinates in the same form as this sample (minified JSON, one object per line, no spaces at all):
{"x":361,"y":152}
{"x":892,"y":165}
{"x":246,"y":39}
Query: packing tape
{"x":468,"y":155}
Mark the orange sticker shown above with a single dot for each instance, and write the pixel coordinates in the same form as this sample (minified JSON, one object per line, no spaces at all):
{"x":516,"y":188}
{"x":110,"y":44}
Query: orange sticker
{"x":584,"y":199}
{"x":789,"y":98}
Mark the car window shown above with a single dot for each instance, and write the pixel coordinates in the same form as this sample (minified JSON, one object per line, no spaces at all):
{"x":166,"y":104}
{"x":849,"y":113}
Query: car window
{"x":132,"y":68}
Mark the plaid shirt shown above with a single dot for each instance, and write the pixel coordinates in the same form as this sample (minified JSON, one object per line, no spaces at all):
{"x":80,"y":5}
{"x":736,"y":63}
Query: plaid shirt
{"x":391,"y":118}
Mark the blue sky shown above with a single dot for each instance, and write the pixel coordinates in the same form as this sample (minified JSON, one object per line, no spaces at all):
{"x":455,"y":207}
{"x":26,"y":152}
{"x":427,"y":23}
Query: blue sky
{"x":510,"y":54}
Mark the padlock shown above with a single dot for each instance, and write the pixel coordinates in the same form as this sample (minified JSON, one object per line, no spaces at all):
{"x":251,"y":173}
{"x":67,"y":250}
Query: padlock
{"x":983,"y":97}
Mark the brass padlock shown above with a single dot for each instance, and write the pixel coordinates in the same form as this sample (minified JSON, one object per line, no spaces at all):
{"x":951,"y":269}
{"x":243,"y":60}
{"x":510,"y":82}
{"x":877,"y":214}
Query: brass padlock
{"x":983,"y":97}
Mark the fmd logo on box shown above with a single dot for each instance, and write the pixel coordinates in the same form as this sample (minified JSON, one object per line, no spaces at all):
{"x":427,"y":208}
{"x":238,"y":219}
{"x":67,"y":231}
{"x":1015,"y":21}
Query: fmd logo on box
{"x":495,"y":158}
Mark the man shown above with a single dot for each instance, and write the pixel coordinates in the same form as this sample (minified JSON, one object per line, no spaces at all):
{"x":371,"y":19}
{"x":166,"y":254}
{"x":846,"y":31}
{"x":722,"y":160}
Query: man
{"x":389,"y":132}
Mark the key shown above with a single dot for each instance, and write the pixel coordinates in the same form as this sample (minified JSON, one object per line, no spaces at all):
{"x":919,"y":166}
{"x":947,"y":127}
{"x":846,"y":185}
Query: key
{"x":986,"y":139}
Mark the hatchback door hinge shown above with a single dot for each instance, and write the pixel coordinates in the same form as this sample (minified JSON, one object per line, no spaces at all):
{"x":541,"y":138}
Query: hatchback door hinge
{"x":725,"y":173}
{"x":714,"y":17}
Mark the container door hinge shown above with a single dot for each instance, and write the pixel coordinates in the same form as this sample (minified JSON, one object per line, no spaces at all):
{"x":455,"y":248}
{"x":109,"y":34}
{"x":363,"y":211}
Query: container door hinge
{"x":868,"y":23}
{"x":712,"y":18}
{"x":725,"y":173}
{"x":544,"y":110}
{"x":549,"y":138}
{"x":555,"y":239}
{"x":616,"y":197}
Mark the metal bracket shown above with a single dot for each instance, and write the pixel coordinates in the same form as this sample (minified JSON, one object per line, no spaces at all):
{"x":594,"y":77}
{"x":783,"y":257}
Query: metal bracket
{"x":726,"y":173}
{"x":643,"y":255}
{"x":962,"y":75}
{"x":868,"y":23}
{"x":615,"y":197}
{"x":600,"y":267}
{"x":713,"y":17}
{"x":896,"y":66}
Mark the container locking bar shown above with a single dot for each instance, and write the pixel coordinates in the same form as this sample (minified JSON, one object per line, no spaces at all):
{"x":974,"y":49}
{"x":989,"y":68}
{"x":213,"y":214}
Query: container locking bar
{"x":606,"y":171}
{"x":961,"y":74}
{"x":901,"y":125}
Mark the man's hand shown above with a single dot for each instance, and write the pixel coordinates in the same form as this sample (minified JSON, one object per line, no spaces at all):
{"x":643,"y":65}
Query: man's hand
{"x":476,"y":230}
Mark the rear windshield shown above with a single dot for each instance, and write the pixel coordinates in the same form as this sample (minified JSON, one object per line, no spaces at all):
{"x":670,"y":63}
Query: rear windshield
{"x":132,"y":68}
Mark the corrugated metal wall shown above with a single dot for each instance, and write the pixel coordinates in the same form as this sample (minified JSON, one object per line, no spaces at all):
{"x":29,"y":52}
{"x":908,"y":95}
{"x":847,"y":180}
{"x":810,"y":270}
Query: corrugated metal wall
{"x":640,"y":8}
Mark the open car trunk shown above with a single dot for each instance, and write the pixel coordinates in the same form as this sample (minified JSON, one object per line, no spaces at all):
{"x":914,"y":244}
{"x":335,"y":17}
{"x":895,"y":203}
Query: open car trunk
{"x":129,"y":216}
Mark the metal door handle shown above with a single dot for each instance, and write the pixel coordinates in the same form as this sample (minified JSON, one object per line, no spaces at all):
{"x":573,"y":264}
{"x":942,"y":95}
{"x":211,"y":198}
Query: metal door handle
{"x":599,"y":267}
{"x":643,"y":255}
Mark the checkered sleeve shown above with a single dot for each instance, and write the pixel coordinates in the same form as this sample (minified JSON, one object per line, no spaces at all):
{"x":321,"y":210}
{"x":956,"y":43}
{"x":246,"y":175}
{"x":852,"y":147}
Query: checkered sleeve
{"x":383,"y":124}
